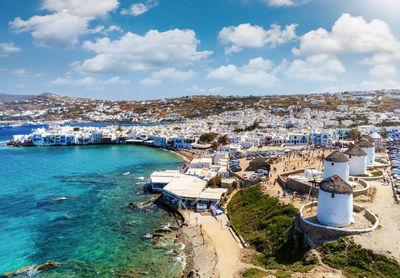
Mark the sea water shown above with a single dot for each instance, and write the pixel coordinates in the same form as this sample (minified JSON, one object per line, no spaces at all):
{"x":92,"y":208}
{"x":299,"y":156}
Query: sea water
{"x":69,"y":205}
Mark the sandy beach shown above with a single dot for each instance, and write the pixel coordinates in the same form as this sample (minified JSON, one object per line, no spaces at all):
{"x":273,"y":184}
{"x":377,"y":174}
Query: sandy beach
{"x":186,"y":155}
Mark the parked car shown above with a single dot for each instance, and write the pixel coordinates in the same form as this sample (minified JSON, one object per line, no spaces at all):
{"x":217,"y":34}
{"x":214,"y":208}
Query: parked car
{"x":254,"y":177}
{"x":262,"y":171}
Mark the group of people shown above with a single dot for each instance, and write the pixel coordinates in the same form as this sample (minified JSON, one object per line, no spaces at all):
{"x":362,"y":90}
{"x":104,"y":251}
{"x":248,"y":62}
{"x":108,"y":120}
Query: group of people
{"x":285,"y":194}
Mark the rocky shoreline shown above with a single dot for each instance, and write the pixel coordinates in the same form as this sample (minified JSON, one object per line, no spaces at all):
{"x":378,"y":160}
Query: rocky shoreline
{"x":201,"y":258}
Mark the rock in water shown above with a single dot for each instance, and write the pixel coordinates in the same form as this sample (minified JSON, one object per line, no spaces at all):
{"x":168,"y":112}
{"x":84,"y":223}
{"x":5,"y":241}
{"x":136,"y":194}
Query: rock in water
{"x":48,"y":265}
{"x":133,"y":206}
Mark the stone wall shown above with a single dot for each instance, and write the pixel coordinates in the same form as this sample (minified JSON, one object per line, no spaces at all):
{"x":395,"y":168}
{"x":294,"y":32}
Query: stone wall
{"x":319,"y":233}
{"x":305,"y":188}
{"x":363,"y":190}
{"x":300,"y":187}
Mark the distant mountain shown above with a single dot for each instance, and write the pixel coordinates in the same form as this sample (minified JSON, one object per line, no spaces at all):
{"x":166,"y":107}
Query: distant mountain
{"x":9,"y":97}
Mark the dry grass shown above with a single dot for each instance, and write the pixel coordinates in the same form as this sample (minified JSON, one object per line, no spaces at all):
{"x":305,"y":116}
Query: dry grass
{"x":372,"y":193}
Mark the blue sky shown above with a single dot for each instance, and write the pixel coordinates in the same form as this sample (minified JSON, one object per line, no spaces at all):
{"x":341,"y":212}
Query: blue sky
{"x":128,"y":49}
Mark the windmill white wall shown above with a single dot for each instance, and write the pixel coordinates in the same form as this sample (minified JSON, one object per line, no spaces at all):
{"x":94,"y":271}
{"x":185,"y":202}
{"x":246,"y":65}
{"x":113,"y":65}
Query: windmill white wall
{"x":357,"y":164}
{"x":334,"y":209}
{"x":336,"y":168}
{"x":370,"y":155}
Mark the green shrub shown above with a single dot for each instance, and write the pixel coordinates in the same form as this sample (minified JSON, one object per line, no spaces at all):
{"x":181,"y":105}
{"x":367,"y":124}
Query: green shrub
{"x":356,"y":261}
{"x":377,"y":173}
{"x":268,"y":227}
{"x":283,"y":274}
{"x":254,"y":273}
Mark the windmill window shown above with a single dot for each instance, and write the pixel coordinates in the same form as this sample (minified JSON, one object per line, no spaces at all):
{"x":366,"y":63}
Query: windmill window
{"x":332,"y":195}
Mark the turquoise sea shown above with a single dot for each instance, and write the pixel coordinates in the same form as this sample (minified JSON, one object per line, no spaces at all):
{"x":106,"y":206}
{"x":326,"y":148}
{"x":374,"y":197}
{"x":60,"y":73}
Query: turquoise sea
{"x":69,"y":205}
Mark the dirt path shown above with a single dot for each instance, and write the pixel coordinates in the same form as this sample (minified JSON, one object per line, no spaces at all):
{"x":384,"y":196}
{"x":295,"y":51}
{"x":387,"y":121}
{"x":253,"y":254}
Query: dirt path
{"x":384,"y":239}
{"x":220,"y":240}
{"x":227,"y":249}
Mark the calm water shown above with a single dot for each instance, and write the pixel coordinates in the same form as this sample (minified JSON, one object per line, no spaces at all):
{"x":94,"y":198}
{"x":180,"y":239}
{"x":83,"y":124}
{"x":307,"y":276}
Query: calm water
{"x":90,"y":231}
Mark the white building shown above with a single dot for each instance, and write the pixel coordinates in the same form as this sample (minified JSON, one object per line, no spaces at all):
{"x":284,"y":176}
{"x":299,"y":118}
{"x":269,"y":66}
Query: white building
{"x":312,"y":173}
{"x":336,"y":164}
{"x":335,"y":202}
{"x":191,"y":192}
{"x":358,"y":160}
{"x":159,"y":179}
{"x":297,"y":139}
{"x":182,"y":142}
{"x":203,"y":162}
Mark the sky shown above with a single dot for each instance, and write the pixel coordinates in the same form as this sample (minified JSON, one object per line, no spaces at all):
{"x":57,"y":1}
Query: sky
{"x":150,"y":49}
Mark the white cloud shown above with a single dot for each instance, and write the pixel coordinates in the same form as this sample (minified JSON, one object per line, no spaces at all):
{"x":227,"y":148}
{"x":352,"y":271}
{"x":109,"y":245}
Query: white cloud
{"x":378,"y":85}
{"x":116,"y":80}
{"x":196,"y":90}
{"x":217,"y":89}
{"x":383,"y":70}
{"x":253,"y":74}
{"x":366,"y":85}
{"x":173,"y":74}
{"x":85,"y":9}
{"x":349,"y":35}
{"x":87,"y":81}
{"x":247,"y":35}
{"x":60,"y":81}
{"x":150,"y":82}
{"x":19,"y":72}
{"x":153,"y":51}
{"x":9,"y":48}
{"x":168,"y":73}
{"x":140,"y":8}
{"x":112,"y":28}
{"x":313,"y":68}
{"x":69,"y":20}
{"x":285,"y":3}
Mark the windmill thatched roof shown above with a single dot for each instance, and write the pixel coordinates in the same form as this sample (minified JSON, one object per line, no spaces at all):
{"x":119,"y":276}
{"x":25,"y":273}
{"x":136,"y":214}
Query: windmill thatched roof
{"x":355,"y":151}
{"x":337,"y":156}
{"x":335,"y":184}
{"x":365,"y":144}
{"x":366,"y":137}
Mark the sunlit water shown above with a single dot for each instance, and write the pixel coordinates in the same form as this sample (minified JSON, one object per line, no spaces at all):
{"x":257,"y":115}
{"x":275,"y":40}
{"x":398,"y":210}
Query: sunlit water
{"x":69,"y":205}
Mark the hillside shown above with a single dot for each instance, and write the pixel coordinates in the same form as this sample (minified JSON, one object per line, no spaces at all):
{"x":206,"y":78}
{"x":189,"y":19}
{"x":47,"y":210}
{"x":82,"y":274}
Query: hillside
{"x":10,"y":98}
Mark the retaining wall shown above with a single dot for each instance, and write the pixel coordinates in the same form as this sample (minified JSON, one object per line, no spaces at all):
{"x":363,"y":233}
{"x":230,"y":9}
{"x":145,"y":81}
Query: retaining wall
{"x":305,"y":188}
{"x":320,"y":232}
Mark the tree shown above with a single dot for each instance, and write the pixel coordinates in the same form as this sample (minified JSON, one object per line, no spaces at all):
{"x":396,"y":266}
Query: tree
{"x":215,"y":145}
{"x":215,"y":182}
{"x":354,"y":134}
{"x":208,"y":137}
{"x":223,"y":140}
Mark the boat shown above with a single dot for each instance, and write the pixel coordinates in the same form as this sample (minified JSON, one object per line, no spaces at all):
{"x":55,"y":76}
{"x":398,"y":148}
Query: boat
{"x":126,"y":173}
